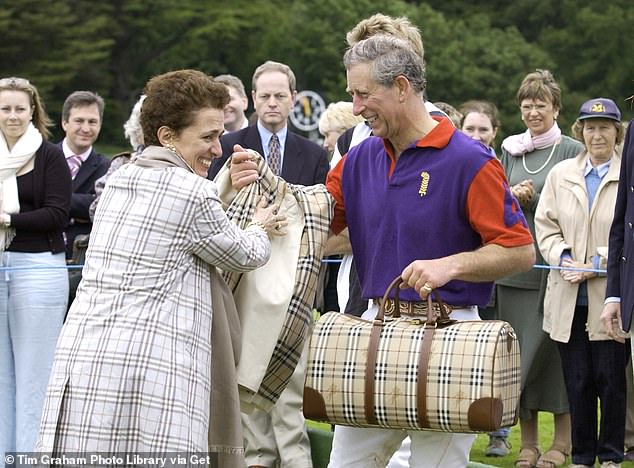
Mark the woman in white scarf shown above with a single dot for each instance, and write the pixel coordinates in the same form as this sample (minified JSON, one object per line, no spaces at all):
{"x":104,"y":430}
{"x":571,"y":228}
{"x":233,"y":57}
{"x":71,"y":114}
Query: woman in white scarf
{"x":35,"y":189}
{"x":527,"y":159}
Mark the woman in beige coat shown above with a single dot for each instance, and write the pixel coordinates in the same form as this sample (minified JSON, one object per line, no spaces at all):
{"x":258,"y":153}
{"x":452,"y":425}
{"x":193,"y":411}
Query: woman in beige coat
{"x":133,"y":364}
{"x":572,"y":224}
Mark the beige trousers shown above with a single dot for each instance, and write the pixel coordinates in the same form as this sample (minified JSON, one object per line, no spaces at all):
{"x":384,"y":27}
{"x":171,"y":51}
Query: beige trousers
{"x":279,"y":438}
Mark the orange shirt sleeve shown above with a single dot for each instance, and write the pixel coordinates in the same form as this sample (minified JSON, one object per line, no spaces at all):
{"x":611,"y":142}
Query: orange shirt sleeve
{"x":333,"y":185}
{"x":493,"y":211}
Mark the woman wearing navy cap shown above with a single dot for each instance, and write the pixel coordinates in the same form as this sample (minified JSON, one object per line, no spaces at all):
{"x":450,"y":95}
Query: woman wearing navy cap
{"x":572,"y":224}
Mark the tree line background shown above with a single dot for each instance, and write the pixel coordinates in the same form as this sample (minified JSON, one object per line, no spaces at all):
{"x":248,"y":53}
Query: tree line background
{"x":479,"y":50}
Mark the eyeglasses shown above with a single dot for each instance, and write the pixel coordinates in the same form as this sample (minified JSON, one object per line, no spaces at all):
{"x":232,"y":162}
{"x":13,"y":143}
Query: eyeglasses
{"x":14,"y":82}
{"x":531,"y":107}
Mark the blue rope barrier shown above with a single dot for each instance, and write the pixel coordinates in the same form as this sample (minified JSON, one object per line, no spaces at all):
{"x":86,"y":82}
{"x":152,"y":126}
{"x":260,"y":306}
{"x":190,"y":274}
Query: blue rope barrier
{"x":46,"y":267}
{"x":545,"y":267}
{"x":325,"y":260}
{"x":548,"y":267}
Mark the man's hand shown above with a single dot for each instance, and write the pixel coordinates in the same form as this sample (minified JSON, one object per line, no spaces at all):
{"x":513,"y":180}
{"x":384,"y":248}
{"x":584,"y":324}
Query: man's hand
{"x":426,"y":275}
{"x":611,"y":319}
{"x":485,"y":264}
{"x":243,"y":169}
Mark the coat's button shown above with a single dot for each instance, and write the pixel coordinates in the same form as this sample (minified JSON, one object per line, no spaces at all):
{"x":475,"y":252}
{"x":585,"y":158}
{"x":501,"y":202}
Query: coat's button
{"x":630,"y":225}
{"x":623,"y":259}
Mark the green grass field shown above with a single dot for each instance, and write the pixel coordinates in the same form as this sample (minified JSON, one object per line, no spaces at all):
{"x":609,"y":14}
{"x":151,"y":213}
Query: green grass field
{"x":477,"y":451}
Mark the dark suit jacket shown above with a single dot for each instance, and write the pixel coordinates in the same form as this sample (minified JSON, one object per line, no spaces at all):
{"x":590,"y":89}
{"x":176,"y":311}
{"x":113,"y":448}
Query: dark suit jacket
{"x":621,"y":246}
{"x":305,"y":162}
{"x":95,"y":166}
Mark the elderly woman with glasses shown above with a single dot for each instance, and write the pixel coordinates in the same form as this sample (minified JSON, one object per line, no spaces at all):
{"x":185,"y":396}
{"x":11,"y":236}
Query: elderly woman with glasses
{"x":35,"y":189}
{"x":572,"y":223}
{"x":527,"y":159}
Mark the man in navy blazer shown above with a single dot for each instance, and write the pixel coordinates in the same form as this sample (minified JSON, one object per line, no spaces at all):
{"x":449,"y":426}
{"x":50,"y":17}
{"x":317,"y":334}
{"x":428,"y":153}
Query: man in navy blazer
{"x":619,"y":300}
{"x":303,"y":161}
{"x":82,"y":115}
{"x":278,"y":438}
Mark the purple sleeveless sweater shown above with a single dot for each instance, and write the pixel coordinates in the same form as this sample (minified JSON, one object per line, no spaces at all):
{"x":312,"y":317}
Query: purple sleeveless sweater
{"x":418,"y":213}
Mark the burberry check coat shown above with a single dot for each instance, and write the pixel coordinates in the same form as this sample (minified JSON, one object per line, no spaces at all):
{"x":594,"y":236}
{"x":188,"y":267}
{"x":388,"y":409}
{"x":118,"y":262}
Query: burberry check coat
{"x":275,"y":303}
{"x":132,"y":367}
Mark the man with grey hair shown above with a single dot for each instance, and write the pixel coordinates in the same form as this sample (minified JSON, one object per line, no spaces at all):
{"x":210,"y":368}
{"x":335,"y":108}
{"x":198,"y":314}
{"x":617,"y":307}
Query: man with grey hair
{"x":234,"y":111}
{"x":348,"y":288}
{"x":418,"y":167}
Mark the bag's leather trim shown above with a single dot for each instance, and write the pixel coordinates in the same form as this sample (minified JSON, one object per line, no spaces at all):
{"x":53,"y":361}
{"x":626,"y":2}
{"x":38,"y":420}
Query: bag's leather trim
{"x":373,"y":349}
{"x":370,"y":372}
{"x":423,"y":368}
{"x":314,"y":405}
{"x":485,"y":414}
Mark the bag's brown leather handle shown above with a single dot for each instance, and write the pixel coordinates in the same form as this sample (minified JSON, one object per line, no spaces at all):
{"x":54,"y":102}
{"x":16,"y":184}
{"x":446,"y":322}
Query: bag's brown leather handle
{"x":423,"y":358}
{"x":397,"y":312}
{"x":431,"y":297}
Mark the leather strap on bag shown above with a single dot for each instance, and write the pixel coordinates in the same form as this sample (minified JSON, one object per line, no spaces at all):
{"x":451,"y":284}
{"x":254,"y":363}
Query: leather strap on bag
{"x":423,"y":368}
{"x":373,"y":349}
{"x":370,"y":372}
{"x":431,"y":323}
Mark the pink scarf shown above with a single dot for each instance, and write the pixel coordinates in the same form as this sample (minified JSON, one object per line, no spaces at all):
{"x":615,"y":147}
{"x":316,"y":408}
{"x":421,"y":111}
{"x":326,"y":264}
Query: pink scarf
{"x":523,"y":143}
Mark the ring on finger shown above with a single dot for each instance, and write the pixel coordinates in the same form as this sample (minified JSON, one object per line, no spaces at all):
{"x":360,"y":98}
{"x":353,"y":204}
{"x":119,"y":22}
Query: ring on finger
{"x":278,"y":226}
{"x":427,"y":288}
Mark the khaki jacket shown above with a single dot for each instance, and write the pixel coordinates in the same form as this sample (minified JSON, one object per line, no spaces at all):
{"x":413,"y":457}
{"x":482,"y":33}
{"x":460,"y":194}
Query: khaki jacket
{"x":132,"y":369}
{"x":563,"y":221}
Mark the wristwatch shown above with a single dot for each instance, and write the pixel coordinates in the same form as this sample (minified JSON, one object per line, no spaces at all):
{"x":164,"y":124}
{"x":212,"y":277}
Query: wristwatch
{"x":5,"y":220}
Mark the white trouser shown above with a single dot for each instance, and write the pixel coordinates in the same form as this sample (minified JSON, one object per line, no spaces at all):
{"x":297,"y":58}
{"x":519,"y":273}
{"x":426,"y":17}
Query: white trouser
{"x":33,"y":302}
{"x":355,"y":447}
{"x":400,"y":459}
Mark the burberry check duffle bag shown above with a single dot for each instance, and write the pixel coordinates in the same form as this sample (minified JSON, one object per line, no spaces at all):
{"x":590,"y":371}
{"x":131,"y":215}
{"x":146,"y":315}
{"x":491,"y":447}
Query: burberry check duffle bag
{"x":417,"y":373}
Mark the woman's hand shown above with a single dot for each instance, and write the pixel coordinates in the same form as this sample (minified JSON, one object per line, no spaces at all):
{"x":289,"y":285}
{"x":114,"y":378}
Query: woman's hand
{"x":575,"y":276}
{"x":243,"y":169}
{"x":524,"y":192}
{"x":273,"y":222}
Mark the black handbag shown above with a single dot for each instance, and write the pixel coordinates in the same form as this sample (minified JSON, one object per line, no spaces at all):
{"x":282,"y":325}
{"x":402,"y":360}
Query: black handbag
{"x":74,"y":273}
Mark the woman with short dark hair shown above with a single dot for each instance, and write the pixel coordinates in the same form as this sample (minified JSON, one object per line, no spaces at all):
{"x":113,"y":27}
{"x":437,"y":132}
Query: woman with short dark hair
{"x":132,"y":367}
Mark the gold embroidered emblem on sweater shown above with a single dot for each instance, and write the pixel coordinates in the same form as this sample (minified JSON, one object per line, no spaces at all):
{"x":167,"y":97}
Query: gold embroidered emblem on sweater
{"x":424,"y":183}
